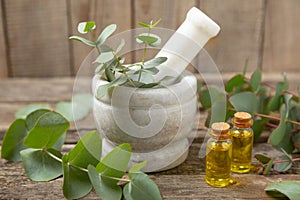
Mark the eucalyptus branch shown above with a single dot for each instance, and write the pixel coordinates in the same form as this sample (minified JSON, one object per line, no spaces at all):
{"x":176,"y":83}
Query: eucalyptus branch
{"x":276,"y":118}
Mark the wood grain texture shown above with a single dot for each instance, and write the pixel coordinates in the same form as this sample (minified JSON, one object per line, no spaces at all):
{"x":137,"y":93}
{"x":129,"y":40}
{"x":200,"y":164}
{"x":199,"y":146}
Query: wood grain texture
{"x":37,"y":38}
{"x":282,"y":36}
{"x":240,"y":35}
{"x":103,"y":12}
{"x":3,"y":47}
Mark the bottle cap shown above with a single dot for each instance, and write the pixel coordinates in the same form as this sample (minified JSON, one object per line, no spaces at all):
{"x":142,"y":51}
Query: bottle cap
{"x":242,"y":119}
{"x":220,"y":130}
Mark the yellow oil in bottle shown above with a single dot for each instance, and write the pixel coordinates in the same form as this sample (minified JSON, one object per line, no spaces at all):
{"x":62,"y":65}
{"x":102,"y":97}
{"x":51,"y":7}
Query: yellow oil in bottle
{"x":242,"y":143}
{"x":218,"y":156}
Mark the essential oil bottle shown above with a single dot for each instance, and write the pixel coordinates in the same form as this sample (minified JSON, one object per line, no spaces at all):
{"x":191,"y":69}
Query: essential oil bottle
{"x":218,"y":155}
{"x":242,"y":142}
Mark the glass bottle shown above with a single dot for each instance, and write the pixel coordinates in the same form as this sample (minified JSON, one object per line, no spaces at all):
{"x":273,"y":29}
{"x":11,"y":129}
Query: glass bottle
{"x":218,"y":155}
{"x":242,"y":142}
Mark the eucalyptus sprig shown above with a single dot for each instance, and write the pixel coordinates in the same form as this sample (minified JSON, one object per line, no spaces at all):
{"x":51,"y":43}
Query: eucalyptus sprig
{"x":36,"y":140}
{"x":116,"y":73}
{"x":279,"y":111}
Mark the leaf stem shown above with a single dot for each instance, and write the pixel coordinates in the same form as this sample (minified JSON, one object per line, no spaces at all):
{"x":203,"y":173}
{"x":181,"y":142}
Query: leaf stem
{"x":276,"y":118}
{"x":53,"y":156}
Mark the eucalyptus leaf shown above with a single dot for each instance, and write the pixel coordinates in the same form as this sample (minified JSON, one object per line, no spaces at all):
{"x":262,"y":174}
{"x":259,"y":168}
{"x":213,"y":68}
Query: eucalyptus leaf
{"x":83,"y":40}
{"x":218,"y":112}
{"x":103,"y":188}
{"x":136,"y":168}
{"x":22,"y":113}
{"x":100,"y":68}
{"x":269,"y":167}
{"x":255,"y":80}
{"x":105,"y":48}
{"x":258,"y":127}
{"x":115,"y":163}
{"x":85,"y":27}
{"x":102,"y":89}
{"x":149,"y":85}
{"x":48,"y":129}
{"x":150,"y":39}
{"x":13,"y":141}
{"x":210,"y":95}
{"x":76,"y":182}
{"x":283,"y":166}
{"x":42,"y":165}
{"x":262,"y":158}
{"x":236,"y":81}
{"x":144,"y":25}
{"x":154,"y":62}
{"x":141,"y":187}
{"x":121,"y":45}
{"x":108,"y":31}
{"x":155,"y":23}
{"x":33,"y":117}
{"x":291,"y":189}
{"x":244,"y":101}
{"x":87,"y":151}
{"x":104,"y":57}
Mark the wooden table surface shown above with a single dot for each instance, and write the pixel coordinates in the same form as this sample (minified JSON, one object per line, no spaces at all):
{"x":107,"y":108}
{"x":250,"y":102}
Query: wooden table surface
{"x":183,"y":182}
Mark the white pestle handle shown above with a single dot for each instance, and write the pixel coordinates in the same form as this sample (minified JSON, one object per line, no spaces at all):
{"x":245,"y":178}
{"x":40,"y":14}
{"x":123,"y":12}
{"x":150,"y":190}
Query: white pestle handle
{"x":186,"y":43}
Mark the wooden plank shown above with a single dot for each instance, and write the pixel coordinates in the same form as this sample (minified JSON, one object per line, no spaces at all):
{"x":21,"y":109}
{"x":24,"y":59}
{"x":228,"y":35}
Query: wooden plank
{"x":103,"y":12}
{"x":282,"y":36}
{"x":240,"y":36}
{"x":3,"y":47}
{"x":37,"y":38}
{"x":183,"y":182}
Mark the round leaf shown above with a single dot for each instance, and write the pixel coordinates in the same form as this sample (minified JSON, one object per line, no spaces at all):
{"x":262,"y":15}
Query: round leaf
{"x":22,"y":113}
{"x":291,"y":189}
{"x":255,"y":80}
{"x":244,"y":101}
{"x":108,"y":31}
{"x":85,"y":27}
{"x":235,"y":81}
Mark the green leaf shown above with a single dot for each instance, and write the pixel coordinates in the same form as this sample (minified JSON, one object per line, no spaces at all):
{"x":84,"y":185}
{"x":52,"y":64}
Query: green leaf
{"x":121,"y":45}
{"x":103,"y":188}
{"x":218,"y":112}
{"x":283,"y":166}
{"x":144,"y":25}
{"x":255,"y":80}
{"x":85,"y":27}
{"x":136,"y":168}
{"x":262,"y":158}
{"x":107,"y":31}
{"x":83,"y":40}
{"x":236,"y":81}
{"x":105,"y":48}
{"x":150,"y":39}
{"x":102,"y":89}
{"x":210,"y":95}
{"x":258,"y":127}
{"x":155,"y":23}
{"x":115,"y":163}
{"x":245,"y":67}
{"x":280,"y":132}
{"x":100,"y":68}
{"x":141,"y":187}
{"x":105,"y":57}
{"x":13,"y":141}
{"x":76,"y":182}
{"x":87,"y":151}
{"x":48,"y":129}
{"x":40,"y":165}
{"x":244,"y":101}
{"x":275,"y":103}
{"x":291,"y":189}
{"x":269,"y":167}
{"x":22,"y":113}
{"x":60,"y":142}
{"x":149,"y":85}
{"x":33,"y":117}
{"x":76,"y":110}
{"x":154,"y":62}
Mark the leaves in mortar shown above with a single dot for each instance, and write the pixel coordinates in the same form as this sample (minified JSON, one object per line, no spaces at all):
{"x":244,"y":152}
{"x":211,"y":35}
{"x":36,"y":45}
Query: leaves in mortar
{"x":121,"y":45}
{"x":13,"y":141}
{"x":154,"y":62}
{"x":105,"y":57}
{"x":115,"y":163}
{"x":48,"y":129}
{"x":149,"y":39}
{"x":77,"y":109}
{"x":104,"y":189}
{"x":83,"y":40}
{"x":141,"y":187}
{"x":85,"y":27}
{"x":236,"y":81}
{"x":244,"y":101}
{"x":262,"y":158}
{"x":255,"y":80}
{"x":279,"y":133}
{"x":102,"y":89}
{"x":86,"y":152}
{"x":22,"y":113}
{"x":108,"y":31}
{"x":76,"y":183}
{"x":42,"y":165}
{"x":291,"y":189}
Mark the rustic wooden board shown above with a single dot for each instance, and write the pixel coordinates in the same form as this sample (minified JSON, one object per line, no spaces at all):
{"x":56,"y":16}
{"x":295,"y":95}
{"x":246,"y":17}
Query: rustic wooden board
{"x":3,"y":47}
{"x":282,"y":36}
{"x":240,"y":36}
{"x":183,"y":182}
{"x":37,"y":38}
{"x":103,"y":12}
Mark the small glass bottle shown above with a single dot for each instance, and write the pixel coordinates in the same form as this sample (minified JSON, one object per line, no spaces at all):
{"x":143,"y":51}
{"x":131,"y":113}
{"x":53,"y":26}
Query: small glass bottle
{"x":242,"y":142}
{"x":218,"y":155}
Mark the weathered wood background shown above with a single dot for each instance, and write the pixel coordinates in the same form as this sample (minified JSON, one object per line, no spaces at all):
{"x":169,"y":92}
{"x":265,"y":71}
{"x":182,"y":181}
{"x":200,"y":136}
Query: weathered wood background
{"x":33,"y":33}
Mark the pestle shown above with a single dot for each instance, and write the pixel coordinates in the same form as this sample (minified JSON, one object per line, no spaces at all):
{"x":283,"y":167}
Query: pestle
{"x":186,"y":43}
